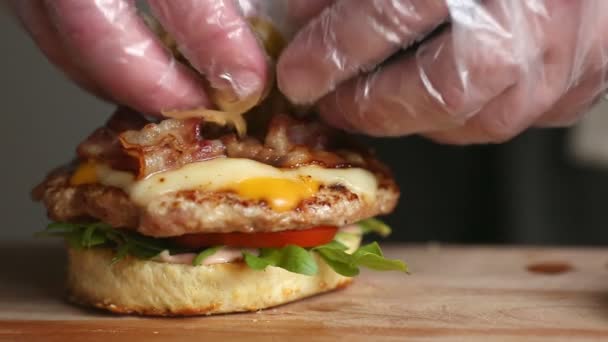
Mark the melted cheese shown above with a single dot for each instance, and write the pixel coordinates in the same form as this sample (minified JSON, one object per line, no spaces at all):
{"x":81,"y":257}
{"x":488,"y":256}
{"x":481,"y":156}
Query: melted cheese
{"x":282,"y":189}
{"x":84,"y":174}
{"x":119,"y":179}
{"x":281,"y":194}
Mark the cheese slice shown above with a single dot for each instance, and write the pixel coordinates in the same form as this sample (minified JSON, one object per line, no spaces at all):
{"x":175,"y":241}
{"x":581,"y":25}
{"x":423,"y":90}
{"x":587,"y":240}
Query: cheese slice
{"x":281,"y":194}
{"x":86,"y":173}
{"x":282,"y":189}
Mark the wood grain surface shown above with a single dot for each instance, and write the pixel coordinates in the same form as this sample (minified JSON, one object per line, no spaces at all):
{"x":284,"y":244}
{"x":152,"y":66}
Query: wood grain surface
{"x":454,"y":293}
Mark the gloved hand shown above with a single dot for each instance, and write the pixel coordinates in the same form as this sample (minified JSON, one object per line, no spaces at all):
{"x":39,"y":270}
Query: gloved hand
{"x":490,"y":69}
{"x":106,"y":47}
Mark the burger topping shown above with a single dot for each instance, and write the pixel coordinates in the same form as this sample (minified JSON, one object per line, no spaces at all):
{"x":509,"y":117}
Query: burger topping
{"x":220,"y":255}
{"x":280,"y":194}
{"x":281,"y":189}
{"x":304,"y":238}
{"x":129,"y":142}
{"x":252,"y":180}
{"x":86,"y":173}
{"x":293,"y":258}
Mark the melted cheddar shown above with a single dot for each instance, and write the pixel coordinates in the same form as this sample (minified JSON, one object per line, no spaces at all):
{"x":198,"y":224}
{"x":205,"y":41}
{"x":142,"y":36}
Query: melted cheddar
{"x":282,"y":189}
{"x":280,"y":194}
{"x":86,"y":173}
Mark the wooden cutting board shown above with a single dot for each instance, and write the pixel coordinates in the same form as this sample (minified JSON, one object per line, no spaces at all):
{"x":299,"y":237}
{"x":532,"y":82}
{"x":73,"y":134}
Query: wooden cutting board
{"x":454,"y":293}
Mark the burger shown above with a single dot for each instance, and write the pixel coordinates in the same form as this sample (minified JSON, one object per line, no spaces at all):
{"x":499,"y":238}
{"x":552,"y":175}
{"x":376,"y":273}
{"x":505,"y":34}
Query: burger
{"x":187,"y":216}
{"x":215,"y":211}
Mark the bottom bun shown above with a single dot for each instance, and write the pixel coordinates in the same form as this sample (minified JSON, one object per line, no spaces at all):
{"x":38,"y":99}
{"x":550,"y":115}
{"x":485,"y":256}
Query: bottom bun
{"x":161,"y":289}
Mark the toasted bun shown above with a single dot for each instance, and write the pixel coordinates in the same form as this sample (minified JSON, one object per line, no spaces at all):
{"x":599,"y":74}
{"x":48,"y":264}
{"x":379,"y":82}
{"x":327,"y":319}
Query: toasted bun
{"x":162,"y":289}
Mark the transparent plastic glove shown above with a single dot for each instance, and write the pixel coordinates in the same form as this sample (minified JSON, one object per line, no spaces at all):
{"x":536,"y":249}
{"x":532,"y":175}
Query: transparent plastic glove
{"x":106,"y":47}
{"x":490,"y":69}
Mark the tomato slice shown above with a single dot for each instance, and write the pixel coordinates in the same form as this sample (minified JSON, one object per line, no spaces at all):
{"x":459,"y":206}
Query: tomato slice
{"x":304,"y":238}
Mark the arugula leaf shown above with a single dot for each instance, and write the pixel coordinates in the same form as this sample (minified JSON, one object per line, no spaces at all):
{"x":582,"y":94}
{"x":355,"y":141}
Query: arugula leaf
{"x":298,"y":260}
{"x":255,"y":262}
{"x":121,"y":253}
{"x":87,"y":235}
{"x":369,"y":256}
{"x":291,"y":258}
{"x":372,"y":248}
{"x":339,"y":261}
{"x":335,"y":245}
{"x":200,"y":257}
{"x":62,"y":227}
{"x":373,"y":225}
{"x":92,"y":237}
{"x":378,"y":263}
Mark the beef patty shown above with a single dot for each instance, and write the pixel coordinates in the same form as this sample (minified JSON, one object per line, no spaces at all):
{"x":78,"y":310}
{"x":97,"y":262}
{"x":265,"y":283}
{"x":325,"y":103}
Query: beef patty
{"x":197,"y":211}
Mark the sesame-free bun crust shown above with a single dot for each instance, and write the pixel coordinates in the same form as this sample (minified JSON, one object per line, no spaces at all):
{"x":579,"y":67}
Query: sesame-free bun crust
{"x":134,"y":286}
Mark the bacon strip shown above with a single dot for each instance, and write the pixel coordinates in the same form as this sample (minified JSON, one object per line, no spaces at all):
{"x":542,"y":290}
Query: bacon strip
{"x":130,"y":142}
{"x":103,"y":143}
{"x":169,"y":144}
{"x":292,"y":143}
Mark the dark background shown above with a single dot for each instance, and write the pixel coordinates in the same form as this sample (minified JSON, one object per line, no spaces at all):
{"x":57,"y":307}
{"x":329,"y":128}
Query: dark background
{"x":527,"y":191}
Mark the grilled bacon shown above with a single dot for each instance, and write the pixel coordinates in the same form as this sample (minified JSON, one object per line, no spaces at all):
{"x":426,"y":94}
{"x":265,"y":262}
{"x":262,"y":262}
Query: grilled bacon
{"x":130,"y":142}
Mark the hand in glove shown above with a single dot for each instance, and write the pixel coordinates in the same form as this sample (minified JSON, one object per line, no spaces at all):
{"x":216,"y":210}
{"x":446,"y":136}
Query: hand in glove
{"x":106,"y":47}
{"x":490,"y":70}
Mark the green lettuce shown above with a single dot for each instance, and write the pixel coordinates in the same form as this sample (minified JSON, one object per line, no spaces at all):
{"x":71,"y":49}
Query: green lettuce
{"x":291,"y":258}
{"x":204,"y":254}
{"x":373,"y":225}
{"x":88,"y":235}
